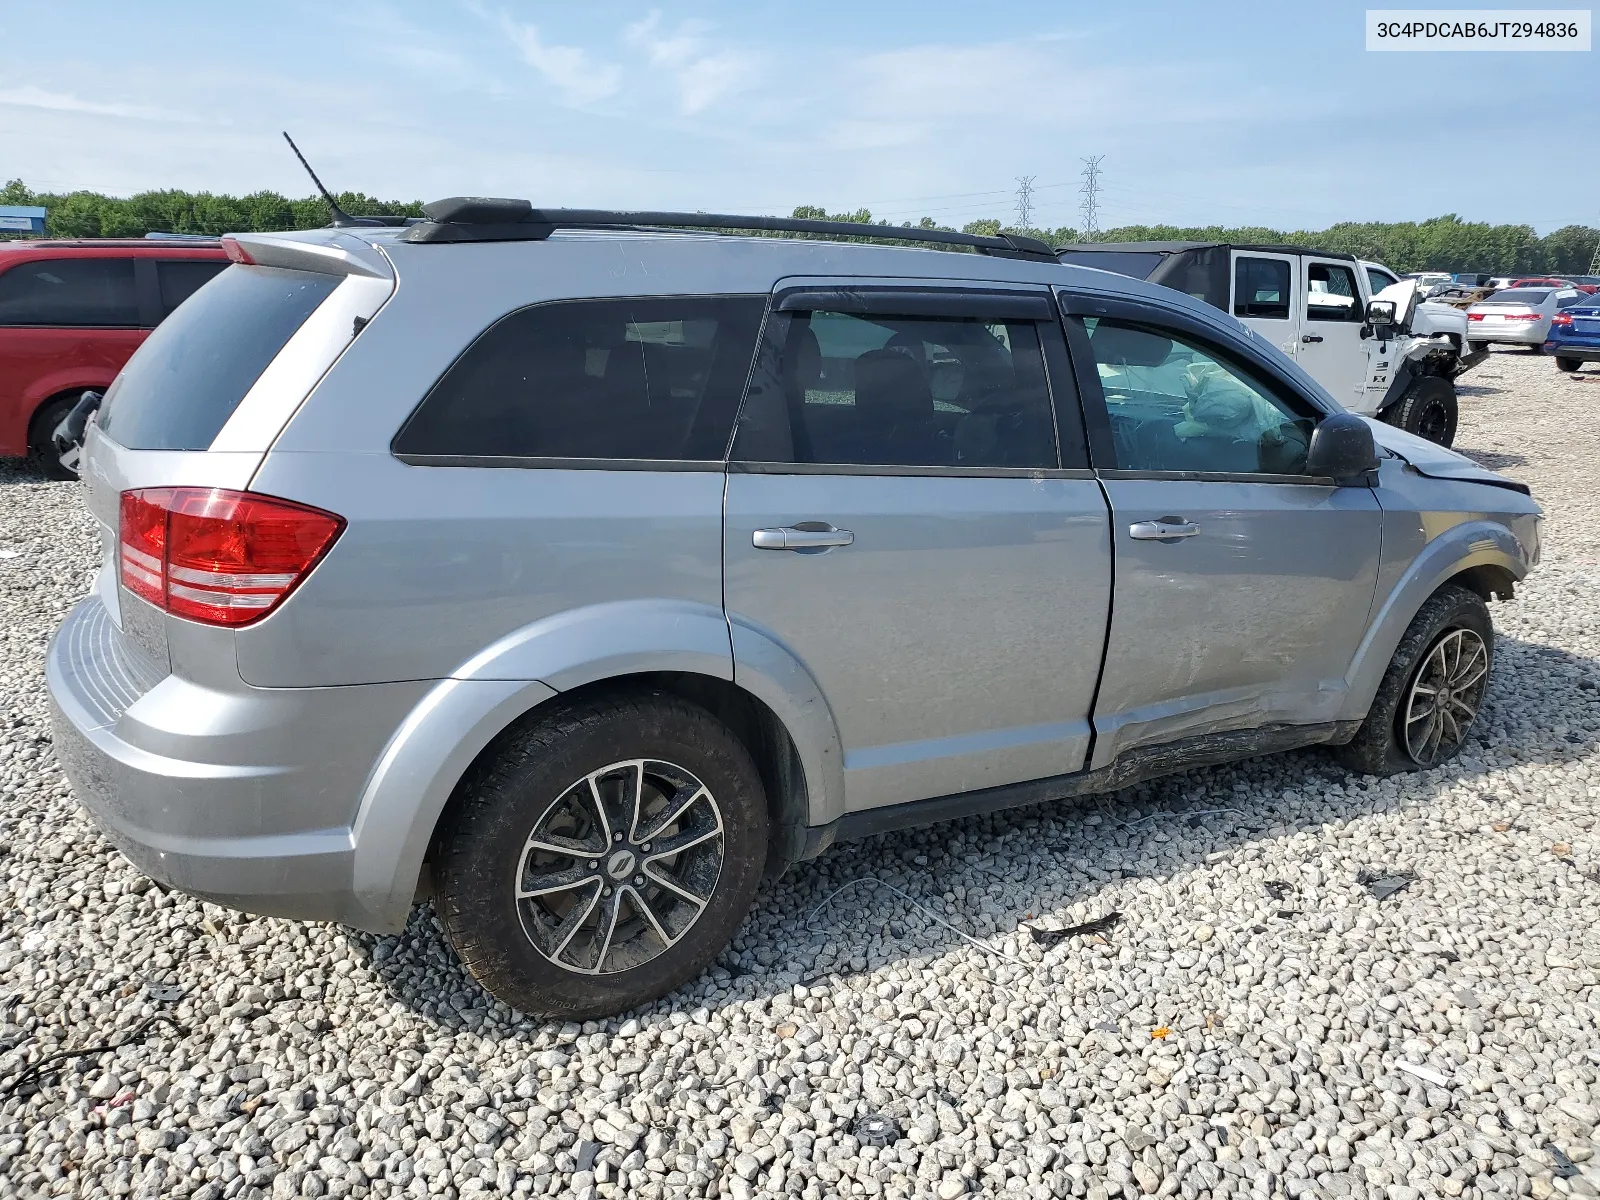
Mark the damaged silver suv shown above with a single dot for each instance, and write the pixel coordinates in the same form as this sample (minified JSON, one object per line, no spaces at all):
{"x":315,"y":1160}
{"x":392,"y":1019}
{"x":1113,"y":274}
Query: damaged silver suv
{"x":606,"y":562}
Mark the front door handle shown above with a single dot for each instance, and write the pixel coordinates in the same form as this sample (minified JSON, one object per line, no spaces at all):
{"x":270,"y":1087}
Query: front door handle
{"x":1168,"y":529}
{"x":808,"y":535}
{"x":1312,"y":337}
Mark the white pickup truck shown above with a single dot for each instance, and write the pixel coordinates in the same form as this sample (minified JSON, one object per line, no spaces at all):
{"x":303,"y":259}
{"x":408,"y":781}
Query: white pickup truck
{"x":1395,"y":359}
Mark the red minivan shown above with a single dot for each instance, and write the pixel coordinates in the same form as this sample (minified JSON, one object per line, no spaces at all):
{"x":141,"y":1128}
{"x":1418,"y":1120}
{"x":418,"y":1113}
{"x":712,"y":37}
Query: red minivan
{"x":72,"y":312}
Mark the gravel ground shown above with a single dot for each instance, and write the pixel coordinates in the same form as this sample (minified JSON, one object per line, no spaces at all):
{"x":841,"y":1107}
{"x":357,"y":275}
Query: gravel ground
{"x":1256,"y":1022}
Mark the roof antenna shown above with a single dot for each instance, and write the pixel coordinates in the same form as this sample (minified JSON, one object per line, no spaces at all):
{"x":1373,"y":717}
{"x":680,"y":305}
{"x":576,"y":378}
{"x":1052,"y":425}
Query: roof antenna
{"x":341,"y":219}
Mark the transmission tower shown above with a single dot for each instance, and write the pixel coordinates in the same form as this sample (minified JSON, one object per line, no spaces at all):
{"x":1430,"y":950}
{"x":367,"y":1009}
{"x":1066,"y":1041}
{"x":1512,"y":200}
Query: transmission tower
{"x":1594,"y":261}
{"x":1025,"y":201}
{"x":1090,"y":205}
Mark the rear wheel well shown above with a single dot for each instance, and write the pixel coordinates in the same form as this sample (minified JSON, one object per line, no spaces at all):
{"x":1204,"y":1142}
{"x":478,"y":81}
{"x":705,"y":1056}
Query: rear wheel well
{"x":38,"y":419}
{"x":752,"y":722}
{"x":1489,"y":582}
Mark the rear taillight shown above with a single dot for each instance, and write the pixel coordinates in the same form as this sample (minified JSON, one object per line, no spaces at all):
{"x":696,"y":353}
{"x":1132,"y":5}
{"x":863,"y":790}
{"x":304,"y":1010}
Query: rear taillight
{"x":218,"y":556}
{"x":1474,"y":316}
{"x":1561,"y":319}
{"x":1522,"y":316}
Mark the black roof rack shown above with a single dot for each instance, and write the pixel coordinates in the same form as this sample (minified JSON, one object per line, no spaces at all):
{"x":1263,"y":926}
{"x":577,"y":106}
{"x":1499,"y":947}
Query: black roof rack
{"x":485,"y":219}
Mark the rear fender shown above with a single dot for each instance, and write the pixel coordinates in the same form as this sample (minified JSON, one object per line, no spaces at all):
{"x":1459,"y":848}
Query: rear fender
{"x":460,"y":716}
{"x":414,"y":778}
{"x":1470,"y":544}
{"x":606,"y":641}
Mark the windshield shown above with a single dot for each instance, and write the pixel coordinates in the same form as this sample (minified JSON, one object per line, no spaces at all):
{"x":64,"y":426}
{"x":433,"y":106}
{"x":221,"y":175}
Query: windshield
{"x":1528,"y":296}
{"x":181,"y":387}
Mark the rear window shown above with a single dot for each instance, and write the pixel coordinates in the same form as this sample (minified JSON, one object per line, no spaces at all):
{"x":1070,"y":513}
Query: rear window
{"x":181,"y":387}
{"x":1529,"y":296}
{"x":655,"y":378}
{"x":83,"y":292}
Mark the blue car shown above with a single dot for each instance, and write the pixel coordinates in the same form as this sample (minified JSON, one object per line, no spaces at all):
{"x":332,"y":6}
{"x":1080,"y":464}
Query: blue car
{"x":1574,"y":336}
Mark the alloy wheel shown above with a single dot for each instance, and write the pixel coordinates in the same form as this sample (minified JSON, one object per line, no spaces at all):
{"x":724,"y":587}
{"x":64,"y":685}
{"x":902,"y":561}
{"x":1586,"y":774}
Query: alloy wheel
{"x":1444,"y":697}
{"x":620,"y":867}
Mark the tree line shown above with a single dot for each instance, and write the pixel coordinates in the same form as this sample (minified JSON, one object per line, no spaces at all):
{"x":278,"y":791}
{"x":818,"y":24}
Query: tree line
{"x":1445,"y":243}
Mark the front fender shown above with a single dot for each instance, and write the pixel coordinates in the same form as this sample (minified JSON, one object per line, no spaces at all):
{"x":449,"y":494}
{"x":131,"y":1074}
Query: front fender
{"x":1473,"y":543}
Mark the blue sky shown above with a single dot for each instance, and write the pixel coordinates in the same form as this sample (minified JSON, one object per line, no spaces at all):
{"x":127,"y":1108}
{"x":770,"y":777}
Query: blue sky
{"x":1227,"y":112}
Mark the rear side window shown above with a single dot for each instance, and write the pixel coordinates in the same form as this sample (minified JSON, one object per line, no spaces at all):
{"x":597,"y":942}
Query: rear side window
{"x":181,"y":387}
{"x":655,"y":378}
{"x":181,"y":279}
{"x":1261,"y":288}
{"x":84,"y":292}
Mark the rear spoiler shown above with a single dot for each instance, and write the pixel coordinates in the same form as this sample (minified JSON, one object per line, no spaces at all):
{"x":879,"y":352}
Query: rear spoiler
{"x":326,"y":251}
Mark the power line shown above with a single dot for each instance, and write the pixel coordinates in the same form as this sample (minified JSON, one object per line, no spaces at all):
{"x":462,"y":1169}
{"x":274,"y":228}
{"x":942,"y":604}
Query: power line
{"x":1090,"y":207}
{"x":1025,"y":201}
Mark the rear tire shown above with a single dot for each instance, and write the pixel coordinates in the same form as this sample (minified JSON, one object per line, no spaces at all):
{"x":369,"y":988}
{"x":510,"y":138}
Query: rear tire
{"x":1452,"y":619}
{"x":1568,"y":364}
{"x":1428,"y":409}
{"x":595,"y":931}
{"x":41,"y":450}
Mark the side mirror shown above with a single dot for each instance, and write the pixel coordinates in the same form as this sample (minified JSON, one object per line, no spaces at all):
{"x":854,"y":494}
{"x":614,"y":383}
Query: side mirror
{"x":1381,"y":313}
{"x":1342,"y":448}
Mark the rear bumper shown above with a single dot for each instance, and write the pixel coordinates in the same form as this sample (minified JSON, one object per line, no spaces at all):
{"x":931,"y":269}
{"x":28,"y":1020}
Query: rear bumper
{"x":1532,"y":333}
{"x":1582,"y":351}
{"x":246,"y":797}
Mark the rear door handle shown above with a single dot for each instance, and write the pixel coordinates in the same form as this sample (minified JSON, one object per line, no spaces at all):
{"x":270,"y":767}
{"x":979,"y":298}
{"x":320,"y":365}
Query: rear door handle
{"x":808,"y":535}
{"x":1312,"y":337}
{"x":1168,"y":529}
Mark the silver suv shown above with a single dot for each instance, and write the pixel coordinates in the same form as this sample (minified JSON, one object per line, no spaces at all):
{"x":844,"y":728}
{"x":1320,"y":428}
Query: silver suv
{"x":605,"y":565}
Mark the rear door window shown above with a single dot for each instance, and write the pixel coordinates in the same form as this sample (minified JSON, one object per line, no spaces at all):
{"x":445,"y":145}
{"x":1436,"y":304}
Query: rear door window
{"x":655,"y":378}
{"x":184,"y":383}
{"x":74,"y":292}
{"x":1261,"y":288}
{"x":868,"y":389}
{"x":182,"y":278}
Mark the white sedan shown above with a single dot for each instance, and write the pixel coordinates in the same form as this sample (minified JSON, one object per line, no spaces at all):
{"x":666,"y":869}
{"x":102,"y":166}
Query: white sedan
{"x":1517,"y":316}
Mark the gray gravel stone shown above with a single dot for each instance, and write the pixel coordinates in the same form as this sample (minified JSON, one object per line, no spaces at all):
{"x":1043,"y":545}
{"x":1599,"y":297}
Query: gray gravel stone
{"x":1225,"y":1038}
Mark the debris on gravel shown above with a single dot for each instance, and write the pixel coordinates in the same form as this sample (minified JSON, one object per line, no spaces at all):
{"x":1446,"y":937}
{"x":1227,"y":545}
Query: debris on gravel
{"x":1258,"y":1022}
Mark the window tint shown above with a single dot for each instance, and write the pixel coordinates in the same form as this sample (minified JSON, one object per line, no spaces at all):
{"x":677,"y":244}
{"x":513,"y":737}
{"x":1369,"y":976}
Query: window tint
{"x":1565,"y":301}
{"x":1261,"y":288}
{"x":1173,"y":406}
{"x":1524,"y":297}
{"x":96,"y":292}
{"x":181,"y":279}
{"x":1331,"y":293}
{"x":654,"y":378}
{"x":1378,"y":280}
{"x":907,"y":391}
{"x":181,"y":387}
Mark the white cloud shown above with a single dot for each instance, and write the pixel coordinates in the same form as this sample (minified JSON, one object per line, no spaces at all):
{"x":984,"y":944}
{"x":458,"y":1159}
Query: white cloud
{"x":702,"y":74}
{"x":29,"y":96}
{"x":579,"y":78}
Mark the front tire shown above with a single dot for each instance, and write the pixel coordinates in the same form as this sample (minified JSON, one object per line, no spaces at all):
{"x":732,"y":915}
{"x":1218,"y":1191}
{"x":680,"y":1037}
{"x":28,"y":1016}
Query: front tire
{"x":1568,"y":364}
{"x":1428,"y":409}
{"x":601,"y":856}
{"x":1432,"y":692}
